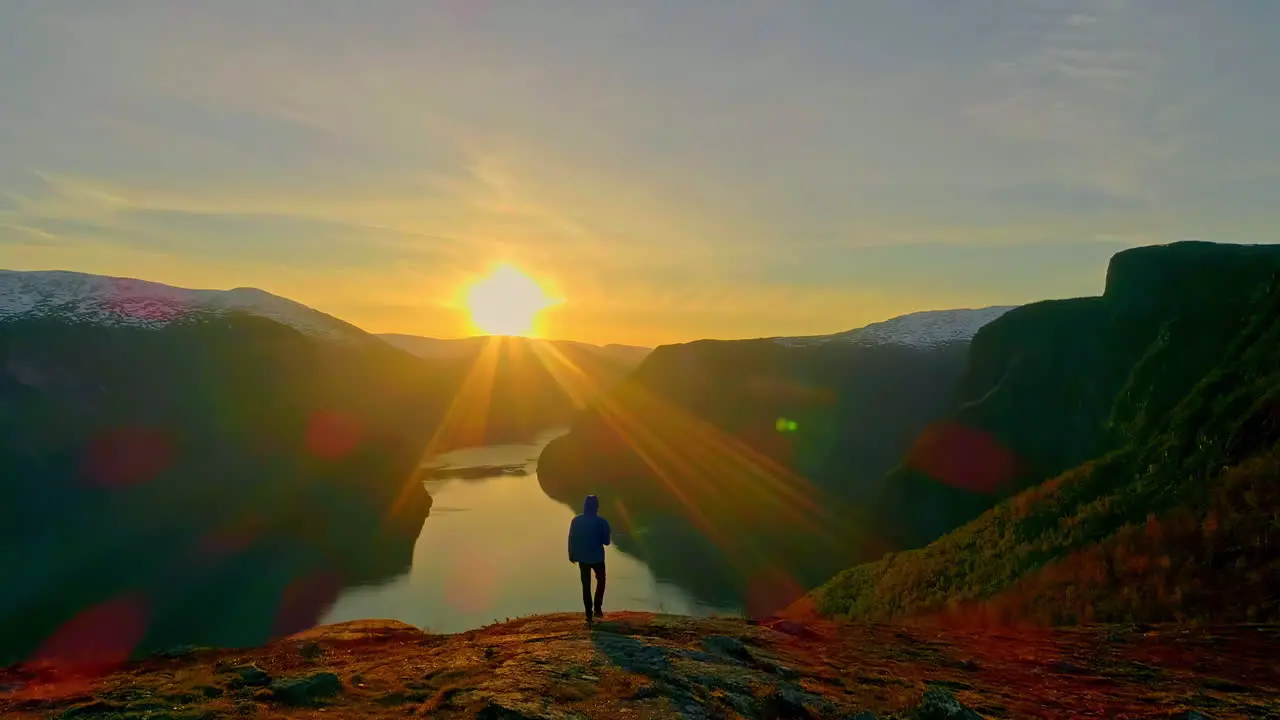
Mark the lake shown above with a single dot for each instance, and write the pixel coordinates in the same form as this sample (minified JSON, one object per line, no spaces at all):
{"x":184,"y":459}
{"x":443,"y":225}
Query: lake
{"x":494,"y":547}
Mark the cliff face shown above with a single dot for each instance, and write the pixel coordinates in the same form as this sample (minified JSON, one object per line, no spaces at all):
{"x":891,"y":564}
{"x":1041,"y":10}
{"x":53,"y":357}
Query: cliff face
{"x":221,"y":479}
{"x":1173,"y":520}
{"x":1053,"y":384}
{"x":1173,"y":278}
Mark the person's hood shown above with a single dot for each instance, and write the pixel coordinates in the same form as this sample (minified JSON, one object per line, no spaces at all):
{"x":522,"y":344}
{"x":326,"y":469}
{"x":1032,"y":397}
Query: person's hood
{"x":591,"y":505}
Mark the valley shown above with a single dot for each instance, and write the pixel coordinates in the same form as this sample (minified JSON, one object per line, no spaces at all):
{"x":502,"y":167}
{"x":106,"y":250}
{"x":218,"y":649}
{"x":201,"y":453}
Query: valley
{"x":218,"y":466}
{"x":1098,"y":462}
{"x":574,"y":360}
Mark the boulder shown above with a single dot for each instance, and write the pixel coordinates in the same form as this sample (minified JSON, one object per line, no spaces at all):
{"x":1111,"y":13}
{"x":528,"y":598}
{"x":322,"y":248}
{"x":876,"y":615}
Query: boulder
{"x":940,"y":704}
{"x":250,"y":676}
{"x":308,"y":690}
{"x":729,"y":647}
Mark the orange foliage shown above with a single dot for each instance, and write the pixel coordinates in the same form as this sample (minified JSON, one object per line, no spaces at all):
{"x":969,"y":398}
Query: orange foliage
{"x":1222,"y":564}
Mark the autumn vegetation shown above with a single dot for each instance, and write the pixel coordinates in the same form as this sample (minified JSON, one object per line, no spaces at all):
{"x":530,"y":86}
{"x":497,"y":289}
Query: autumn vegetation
{"x":1179,"y":522}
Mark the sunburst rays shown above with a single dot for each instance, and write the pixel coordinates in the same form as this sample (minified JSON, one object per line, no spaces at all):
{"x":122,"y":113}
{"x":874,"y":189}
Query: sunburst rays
{"x":726,"y":489}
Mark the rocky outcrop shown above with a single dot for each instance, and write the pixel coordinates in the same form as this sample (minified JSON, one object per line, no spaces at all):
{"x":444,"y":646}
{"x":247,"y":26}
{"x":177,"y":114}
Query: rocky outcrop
{"x":655,"y":666}
{"x":307,"y":690}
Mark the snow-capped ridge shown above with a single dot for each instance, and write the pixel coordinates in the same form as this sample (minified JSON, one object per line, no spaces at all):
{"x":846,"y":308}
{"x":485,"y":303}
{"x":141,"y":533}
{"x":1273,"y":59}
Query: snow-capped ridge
{"x":925,"y":329}
{"x":103,"y":300}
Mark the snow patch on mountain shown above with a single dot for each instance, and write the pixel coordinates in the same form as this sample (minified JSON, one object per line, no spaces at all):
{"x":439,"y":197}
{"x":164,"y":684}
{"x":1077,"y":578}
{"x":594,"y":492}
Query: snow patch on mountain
{"x":101,"y":300}
{"x":927,"y":329}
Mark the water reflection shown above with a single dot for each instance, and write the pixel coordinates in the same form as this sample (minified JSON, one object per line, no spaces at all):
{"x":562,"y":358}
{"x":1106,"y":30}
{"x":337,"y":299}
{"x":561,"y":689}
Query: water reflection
{"x":137,"y":573}
{"x":494,"y":548}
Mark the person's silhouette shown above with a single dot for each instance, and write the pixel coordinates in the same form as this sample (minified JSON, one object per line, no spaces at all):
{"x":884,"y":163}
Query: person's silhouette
{"x":588,"y":534}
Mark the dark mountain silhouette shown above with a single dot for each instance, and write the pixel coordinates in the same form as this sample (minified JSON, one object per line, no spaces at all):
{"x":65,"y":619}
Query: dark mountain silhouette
{"x":737,"y":467}
{"x":222,"y":463}
{"x":1053,"y":384}
{"x":1164,"y":394}
{"x":218,"y":465}
{"x":224,"y":477}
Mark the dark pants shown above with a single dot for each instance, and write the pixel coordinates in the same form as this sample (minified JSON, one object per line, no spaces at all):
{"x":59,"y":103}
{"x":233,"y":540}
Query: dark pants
{"x":584,"y":570}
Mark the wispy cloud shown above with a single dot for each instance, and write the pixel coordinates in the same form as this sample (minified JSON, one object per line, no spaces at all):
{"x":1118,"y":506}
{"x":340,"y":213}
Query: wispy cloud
{"x":694,"y":170}
{"x":28,"y":235}
{"x":1096,"y":82}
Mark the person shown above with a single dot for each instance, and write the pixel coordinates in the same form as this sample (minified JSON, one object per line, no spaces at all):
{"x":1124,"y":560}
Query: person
{"x":588,"y":534}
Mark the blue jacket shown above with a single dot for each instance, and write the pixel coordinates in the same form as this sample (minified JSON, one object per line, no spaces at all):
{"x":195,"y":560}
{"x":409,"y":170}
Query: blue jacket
{"x":588,"y":534}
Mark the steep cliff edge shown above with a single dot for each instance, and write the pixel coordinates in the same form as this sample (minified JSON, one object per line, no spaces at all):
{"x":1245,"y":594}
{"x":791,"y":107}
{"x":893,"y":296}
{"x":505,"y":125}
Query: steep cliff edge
{"x":1174,"y":518}
{"x":1053,"y":384}
{"x":656,"y":666}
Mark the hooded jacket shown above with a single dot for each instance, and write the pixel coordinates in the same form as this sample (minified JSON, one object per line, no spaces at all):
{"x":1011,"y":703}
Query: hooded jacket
{"x":588,"y":534}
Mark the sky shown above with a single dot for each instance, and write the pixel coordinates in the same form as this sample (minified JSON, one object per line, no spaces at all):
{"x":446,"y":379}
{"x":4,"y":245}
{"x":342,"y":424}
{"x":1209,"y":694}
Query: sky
{"x":671,"y":170}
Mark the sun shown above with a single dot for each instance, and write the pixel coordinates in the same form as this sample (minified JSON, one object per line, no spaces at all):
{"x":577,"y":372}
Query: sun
{"x":506,"y":302}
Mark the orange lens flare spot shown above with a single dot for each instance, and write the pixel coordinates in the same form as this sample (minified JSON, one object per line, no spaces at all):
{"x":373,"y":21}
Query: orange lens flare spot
{"x":332,"y":435}
{"x":470,"y":583}
{"x":963,"y":457}
{"x":101,"y":637}
{"x":771,"y":590}
{"x":231,"y":538}
{"x":304,"y":600}
{"x":125,"y":456}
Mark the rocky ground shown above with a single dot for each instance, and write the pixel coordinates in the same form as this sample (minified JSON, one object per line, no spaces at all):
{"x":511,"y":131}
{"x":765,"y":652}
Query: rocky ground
{"x":643,"y":666}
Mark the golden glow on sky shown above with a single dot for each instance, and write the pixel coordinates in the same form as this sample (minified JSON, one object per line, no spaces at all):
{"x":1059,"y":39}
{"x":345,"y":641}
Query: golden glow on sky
{"x":368,"y":160}
{"x":507,"y":302}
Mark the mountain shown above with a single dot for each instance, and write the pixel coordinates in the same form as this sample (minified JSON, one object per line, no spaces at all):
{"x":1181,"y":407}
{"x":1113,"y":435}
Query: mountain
{"x":1053,"y":384}
{"x":225,"y":462}
{"x":626,"y":356}
{"x":435,"y":348}
{"x":217,"y":467}
{"x":516,"y":387}
{"x":739,"y":467}
{"x":927,"y":329}
{"x":119,"y":302}
{"x":533,"y":384}
{"x":1152,"y":413}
